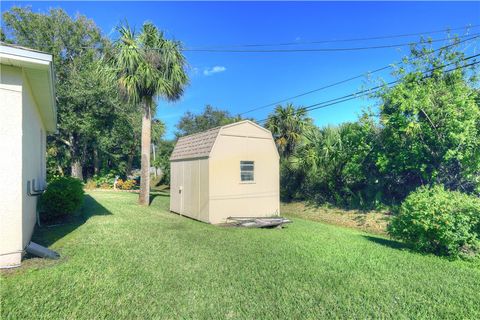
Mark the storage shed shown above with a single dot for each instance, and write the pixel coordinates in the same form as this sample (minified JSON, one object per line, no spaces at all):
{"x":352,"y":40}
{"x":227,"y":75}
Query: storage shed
{"x":28,"y":114}
{"x":229,"y":171}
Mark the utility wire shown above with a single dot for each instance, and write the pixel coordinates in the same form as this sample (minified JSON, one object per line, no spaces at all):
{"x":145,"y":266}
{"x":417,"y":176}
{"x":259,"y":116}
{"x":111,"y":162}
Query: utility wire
{"x":365,"y":92}
{"x":186,"y":49}
{"x":318,"y":49}
{"x":355,"y":77}
{"x":374,"y":89}
{"x":314,"y":107}
{"x":338,"y":40}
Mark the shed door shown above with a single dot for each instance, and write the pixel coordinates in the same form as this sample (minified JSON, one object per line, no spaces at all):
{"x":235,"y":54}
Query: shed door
{"x":176,"y":191}
{"x":181,"y":181}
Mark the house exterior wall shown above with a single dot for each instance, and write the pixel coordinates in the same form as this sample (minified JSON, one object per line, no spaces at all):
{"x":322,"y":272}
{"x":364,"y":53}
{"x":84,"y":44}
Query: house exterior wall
{"x":23,"y":139}
{"x":229,"y":196}
{"x":33,"y":159}
{"x":189,"y":188}
{"x":11,"y":186}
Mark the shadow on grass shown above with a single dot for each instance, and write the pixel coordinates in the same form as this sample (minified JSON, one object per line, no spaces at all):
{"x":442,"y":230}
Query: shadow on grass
{"x":387,"y":243}
{"x":46,"y":235}
{"x":154,"y":194}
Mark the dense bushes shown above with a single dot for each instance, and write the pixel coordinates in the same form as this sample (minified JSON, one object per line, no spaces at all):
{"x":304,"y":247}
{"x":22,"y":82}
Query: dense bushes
{"x":335,"y":165}
{"x":128,"y":184}
{"x":439,"y":221}
{"x":62,"y":197}
{"x":425,"y":131}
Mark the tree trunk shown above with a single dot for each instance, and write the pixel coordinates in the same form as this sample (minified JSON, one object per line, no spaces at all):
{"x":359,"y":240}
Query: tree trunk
{"x":129,"y":164}
{"x":96,"y":161}
{"x":60,"y":170}
{"x":77,"y":169}
{"x":144,"y":198}
{"x":76,"y":164}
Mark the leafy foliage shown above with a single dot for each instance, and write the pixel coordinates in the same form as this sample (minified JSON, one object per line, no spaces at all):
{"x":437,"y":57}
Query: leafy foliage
{"x":165,"y":149}
{"x":105,"y":179}
{"x":62,"y":197}
{"x":287,"y":125}
{"x":430,"y":131}
{"x":336,"y":165}
{"x":211,"y":117}
{"x":98,"y":129}
{"x":76,"y":45}
{"x":148,"y":66}
{"x":127,"y":184}
{"x":439,"y":221}
{"x":427,"y":131}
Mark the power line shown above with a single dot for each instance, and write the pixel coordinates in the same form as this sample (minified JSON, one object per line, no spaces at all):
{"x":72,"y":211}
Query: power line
{"x":389,"y":86}
{"x":339,"y":40}
{"x":354,"y":77}
{"x":397,"y":45}
{"x":374,"y":89}
{"x":186,"y":49}
{"x":365,"y":92}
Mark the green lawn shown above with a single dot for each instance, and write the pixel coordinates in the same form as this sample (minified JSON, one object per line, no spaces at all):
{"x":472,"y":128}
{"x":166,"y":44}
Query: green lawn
{"x":128,"y":262}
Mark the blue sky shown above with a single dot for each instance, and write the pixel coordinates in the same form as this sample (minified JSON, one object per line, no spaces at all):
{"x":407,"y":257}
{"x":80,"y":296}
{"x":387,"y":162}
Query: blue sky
{"x":241,"y":81}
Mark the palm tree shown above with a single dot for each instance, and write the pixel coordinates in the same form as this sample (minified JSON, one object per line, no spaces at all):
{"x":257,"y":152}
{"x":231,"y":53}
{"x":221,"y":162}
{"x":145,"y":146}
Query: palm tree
{"x":148,"y":67}
{"x":287,"y":125}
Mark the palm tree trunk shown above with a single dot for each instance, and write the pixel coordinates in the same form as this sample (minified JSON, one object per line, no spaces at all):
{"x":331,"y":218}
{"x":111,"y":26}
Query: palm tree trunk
{"x":144,"y":198}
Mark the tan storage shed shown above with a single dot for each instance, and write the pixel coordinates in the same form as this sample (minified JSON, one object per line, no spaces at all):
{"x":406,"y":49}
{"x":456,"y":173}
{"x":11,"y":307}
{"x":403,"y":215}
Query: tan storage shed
{"x":229,"y":171}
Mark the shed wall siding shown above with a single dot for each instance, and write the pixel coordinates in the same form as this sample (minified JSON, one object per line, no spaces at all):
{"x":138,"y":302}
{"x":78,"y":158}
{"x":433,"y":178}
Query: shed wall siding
{"x":11,"y":163}
{"x":229,"y":197}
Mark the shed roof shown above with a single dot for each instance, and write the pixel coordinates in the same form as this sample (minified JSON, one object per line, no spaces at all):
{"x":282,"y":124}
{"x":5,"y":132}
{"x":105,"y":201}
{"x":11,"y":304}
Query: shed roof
{"x":199,"y":145}
{"x":196,"y":145}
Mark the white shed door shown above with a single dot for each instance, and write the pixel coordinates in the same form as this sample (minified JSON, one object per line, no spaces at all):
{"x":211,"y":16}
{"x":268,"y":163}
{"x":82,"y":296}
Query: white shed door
{"x":181,"y":191}
{"x":176,"y":191}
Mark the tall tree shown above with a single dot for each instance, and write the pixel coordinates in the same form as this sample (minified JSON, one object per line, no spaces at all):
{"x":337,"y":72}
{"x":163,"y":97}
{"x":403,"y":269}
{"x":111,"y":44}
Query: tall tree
{"x":287,"y":125}
{"x":148,"y":67}
{"x":211,"y":117}
{"x":430,"y":131}
{"x":76,"y":45}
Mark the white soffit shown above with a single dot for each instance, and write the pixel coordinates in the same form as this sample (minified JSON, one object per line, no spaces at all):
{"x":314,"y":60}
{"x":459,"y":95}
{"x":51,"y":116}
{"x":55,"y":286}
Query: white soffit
{"x":38,"y":68}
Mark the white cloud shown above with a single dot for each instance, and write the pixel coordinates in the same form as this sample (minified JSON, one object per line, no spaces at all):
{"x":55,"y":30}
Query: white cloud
{"x":194,"y":71}
{"x":215,"y":69}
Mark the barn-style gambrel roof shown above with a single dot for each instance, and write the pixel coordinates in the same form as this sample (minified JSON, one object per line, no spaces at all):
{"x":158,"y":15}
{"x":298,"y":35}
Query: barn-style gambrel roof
{"x":199,"y":145}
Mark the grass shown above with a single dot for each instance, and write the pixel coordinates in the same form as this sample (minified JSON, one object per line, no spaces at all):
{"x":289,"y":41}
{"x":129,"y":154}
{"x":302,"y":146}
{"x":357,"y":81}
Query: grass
{"x":130,"y":262}
{"x":369,"y":221}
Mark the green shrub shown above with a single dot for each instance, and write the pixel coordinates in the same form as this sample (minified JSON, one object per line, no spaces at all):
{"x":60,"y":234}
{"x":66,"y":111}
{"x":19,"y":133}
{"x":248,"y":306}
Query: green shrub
{"x":105,"y":180}
{"x":62,"y":197}
{"x":439,"y":221}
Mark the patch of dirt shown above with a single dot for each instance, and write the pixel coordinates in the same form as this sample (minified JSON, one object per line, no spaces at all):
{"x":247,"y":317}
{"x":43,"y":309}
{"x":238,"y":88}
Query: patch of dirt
{"x":369,"y":221}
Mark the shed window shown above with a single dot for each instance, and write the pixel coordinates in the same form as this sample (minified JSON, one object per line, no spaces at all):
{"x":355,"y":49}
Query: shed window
{"x":246,"y":170}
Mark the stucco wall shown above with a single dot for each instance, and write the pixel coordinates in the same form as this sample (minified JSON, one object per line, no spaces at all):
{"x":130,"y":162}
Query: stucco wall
{"x":33,"y":159}
{"x":229,"y":196}
{"x":11,"y":165}
{"x":22,"y":141}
